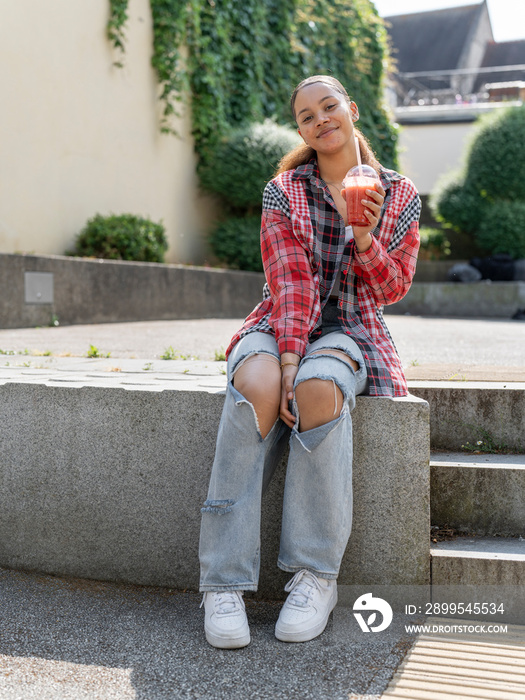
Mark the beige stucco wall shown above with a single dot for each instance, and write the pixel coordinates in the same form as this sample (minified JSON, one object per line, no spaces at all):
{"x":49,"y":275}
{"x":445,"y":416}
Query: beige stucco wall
{"x":79,"y":136}
{"x":429,"y":151}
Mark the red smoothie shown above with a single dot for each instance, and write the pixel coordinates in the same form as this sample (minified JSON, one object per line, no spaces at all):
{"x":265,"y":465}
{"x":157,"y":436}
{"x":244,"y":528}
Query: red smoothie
{"x":353,"y":192}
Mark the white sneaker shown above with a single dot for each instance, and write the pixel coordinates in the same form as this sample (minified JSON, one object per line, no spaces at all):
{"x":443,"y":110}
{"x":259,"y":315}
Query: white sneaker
{"x":225,"y":621}
{"x":306,"y":610}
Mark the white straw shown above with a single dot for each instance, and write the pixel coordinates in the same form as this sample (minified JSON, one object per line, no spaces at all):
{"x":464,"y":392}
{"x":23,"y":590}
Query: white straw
{"x":358,"y":154}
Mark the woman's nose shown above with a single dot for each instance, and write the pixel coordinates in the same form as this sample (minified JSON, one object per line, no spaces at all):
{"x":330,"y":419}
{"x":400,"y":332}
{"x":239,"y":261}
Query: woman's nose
{"x":322,"y":118}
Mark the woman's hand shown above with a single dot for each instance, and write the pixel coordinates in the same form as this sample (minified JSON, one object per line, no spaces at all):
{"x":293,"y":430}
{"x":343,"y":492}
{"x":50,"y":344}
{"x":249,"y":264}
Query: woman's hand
{"x":288,"y":374}
{"x":362,"y":235}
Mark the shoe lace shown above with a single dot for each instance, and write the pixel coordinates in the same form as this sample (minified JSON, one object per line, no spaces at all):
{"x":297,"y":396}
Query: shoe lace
{"x":302,"y":588}
{"x":226,"y":602}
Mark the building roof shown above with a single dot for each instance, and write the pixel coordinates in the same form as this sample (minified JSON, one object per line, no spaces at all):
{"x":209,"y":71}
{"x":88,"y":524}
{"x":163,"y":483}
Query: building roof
{"x":432,"y":40}
{"x":505,"y":53}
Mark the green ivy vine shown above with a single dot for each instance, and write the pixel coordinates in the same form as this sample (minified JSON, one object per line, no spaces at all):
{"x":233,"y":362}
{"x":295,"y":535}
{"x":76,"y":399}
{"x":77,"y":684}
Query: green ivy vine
{"x":237,"y":62}
{"x":118,"y":16}
{"x":170,"y":21}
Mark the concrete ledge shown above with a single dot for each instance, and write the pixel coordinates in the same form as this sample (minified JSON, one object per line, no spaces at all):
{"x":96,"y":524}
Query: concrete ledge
{"x":463,"y":412}
{"x":85,"y":291}
{"x":105,"y":291}
{"x":434,"y":270}
{"x":484,"y":561}
{"x":482,"y":494}
{"x":103,"y":477}
{"x":483,"y":299}
{"x":489,"y":570}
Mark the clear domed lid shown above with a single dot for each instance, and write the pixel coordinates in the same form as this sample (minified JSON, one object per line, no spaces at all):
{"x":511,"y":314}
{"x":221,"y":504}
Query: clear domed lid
{"x":361,"y":171}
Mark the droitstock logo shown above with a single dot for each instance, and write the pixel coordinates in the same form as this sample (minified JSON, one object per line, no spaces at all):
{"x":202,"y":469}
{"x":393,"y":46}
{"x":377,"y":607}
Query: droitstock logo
{"x":368,"y":603}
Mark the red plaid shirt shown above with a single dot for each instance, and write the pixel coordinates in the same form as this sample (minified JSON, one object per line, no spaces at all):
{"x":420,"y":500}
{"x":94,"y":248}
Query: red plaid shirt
{"x":303,"y":247}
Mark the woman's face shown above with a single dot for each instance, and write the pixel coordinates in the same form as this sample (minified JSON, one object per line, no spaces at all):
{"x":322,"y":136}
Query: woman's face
{"x":324,"y":117}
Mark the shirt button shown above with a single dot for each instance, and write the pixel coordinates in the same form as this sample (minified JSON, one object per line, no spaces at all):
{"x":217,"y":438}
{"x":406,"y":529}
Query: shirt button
{"x":340,"y":304}
{"x":344,"y":272}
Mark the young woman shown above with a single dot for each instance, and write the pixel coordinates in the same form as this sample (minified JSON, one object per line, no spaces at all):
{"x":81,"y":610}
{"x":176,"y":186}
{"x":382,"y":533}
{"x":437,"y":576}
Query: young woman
{"x":315,"y":342}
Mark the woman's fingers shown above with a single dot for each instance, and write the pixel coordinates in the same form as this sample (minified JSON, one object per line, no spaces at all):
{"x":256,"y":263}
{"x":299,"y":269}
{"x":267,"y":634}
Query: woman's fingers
{"x":377,"y":194}
{"x":287,"y":418}
{"x":288,"y":376}
{"x":373,"y":205}
{"x":286,"y":415}
{"x":371,"y":215}
{"x":375,"y":200}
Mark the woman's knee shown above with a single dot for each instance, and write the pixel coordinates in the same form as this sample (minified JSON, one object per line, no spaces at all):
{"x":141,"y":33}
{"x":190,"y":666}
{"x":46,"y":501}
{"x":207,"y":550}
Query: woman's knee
{"x":319,"y":401}
{"x":258,"y":379}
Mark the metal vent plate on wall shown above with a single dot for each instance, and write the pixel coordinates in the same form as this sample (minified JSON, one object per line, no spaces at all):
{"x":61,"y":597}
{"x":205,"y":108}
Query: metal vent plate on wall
{"x":38,"y":287}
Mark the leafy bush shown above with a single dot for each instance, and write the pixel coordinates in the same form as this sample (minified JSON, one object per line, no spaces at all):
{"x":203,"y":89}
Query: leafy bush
{"x":503,"y":229}
{"x":236,"y":242}
{"x":487,"y":198}
{"x":245,"y":160}
{"x":496,"y":157}
{"x":123,"y":237}
{"x":435,"y":244}
{"x":458,"y":205}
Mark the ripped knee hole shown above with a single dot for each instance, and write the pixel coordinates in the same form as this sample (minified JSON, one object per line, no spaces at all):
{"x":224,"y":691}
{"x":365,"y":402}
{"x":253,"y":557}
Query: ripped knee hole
{"x":219,"y":507}
{"x":338,"y":353}
{"x":259,"y":356}
{"x":338,"y":392}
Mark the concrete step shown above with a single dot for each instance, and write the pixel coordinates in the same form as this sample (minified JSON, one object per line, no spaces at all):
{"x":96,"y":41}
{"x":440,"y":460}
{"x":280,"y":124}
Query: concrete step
{"x":479,"y":561}
{"x":481,"y":570}
{"x":478,"y":493}
{"x":103,"y":474}
{"x":461,"y":412}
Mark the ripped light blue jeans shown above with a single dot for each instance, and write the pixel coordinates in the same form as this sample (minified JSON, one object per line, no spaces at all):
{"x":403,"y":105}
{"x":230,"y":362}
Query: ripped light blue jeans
{"x":317,"y":505}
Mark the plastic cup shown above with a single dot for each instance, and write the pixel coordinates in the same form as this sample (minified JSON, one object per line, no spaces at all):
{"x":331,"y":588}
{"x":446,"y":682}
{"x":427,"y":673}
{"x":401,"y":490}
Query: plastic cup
{"x":357,"y":180}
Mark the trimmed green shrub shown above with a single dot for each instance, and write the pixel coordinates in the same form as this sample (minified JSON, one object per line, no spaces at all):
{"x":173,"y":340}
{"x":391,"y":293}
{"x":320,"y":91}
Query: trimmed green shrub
{"x":458,"y":205}
{"x":487,"y":198}
{"x":503,"y":229}
{"x":236,"y":242}
{"x":122,"y":237}
{"x":245,"y":160}
{"x":496,"y":157}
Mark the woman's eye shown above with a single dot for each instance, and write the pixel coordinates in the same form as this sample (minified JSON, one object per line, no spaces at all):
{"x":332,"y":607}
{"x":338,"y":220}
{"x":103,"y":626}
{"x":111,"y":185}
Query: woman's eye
{"x":331,"y":106}
{"x":306,"y":119}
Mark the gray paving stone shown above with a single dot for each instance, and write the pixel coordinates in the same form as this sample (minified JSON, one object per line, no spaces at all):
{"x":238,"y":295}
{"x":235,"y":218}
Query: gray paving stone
{"x":79,"y":640}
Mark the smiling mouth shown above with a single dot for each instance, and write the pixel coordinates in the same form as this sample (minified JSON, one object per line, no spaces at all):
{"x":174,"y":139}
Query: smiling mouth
{"x":326,"y":132}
